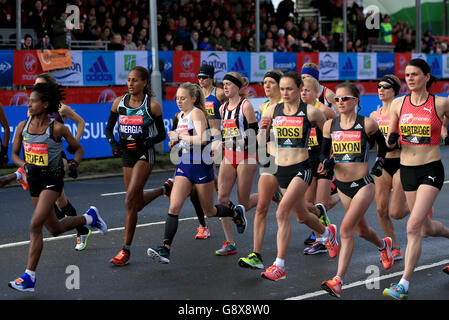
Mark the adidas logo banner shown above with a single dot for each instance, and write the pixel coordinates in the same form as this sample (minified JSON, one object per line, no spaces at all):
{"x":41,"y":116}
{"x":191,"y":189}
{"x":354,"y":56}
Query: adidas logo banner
{"x":347,"y":66}
{"x":240,"y":62}
{"x":99,"y":68}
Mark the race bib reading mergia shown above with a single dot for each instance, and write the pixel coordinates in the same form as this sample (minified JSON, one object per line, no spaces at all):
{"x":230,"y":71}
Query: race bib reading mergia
{"x":36,"y":153}
{"x":130,"y":124}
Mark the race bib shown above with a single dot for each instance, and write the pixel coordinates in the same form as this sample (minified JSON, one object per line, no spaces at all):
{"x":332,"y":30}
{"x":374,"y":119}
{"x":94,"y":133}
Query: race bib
{"x":416,"y":130}
{"x":210,"y":108}
{"x":346,"y":142}
{"x":230,"y":129}
{"x":130,"y":124}
{"x":36,"y":153}
{"x":313,"y":139}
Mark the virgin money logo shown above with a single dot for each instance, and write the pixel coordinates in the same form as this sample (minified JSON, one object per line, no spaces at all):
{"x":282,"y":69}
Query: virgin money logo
{"x":30,"y":63}
{"x":187,"y":63}
{"x":406,"y":118}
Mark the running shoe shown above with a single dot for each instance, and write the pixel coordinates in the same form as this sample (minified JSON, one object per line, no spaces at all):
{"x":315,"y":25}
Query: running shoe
{"x":252,"y":261}
{"x":333,"y":287}
{"x":274,"y":273}
{"x":168,"y":185}
{"x":240,"y":219}
{"x":161,"y":254}
{"x":203,"y":233}
{"x":277,"y":196}
{"x":315,"y":248}
{"x":385,"y":254}
{"x":396,"y":291}
{"x":228,"y":248}
{"x":81,"y":241}
{"x":331,"y":242}
{"x":446,"y":269}
{"x":121,"y":259}
{"x":24,"y":283}
{"x":23,"y":180}
{"x":323,"y":214}
{"x":97,"y":221}
{"x":396,"y":253}
{"x":310,"y":239}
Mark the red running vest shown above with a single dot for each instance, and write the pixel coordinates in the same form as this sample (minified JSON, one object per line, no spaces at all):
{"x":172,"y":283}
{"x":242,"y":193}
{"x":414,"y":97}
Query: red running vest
{"x":419,"y":125}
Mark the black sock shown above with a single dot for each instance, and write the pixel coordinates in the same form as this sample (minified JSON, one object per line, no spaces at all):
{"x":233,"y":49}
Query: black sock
{"x":70,"y":211}
{"x":171,"y":226}
{"x":198,"y":209}
{"x":59,"y":213}
{"x":224,"y":211}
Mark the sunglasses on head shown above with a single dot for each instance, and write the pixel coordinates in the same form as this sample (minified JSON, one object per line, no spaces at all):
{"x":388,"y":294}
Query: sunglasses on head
{"x":345,"y":98}
{"x":203,"y":77}
{"x":385,"y":86}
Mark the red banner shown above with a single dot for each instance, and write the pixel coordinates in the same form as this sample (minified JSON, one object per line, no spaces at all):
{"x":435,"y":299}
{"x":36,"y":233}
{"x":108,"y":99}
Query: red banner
{"x":26,"y":67}
{"x":185,"y":66}
{"x":400,"y":60}
{"x":71,"y":95}
{"x":305,"y":57}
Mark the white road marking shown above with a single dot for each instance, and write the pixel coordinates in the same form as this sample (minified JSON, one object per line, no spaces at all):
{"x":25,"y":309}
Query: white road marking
{"x":22,"y":243}
{"x":370,"y":280}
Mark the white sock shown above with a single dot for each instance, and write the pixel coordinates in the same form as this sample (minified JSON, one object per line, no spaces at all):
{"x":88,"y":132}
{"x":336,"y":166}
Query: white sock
{"x":18,"y":175}
{"x":404,"y":283}
{"x":32,"y":274}
{"x":279,"y":262}
{"x":325,"y":235}
{"x":89,"y":219}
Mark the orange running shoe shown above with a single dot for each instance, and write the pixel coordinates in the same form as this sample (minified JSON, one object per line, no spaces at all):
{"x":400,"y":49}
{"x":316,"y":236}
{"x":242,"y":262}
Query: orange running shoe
{"x":446,"y":269}
{"x":333,"y":287}
{"x":274,"y":273}
{"x":203,"y":233}
{"x":121,"y":259}
{"x":385,"y":254}
{"x":331,"y":242}
{"x":23,"y":180}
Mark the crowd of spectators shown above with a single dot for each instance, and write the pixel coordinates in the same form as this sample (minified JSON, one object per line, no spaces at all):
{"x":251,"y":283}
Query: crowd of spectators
{"x":227,"y":25}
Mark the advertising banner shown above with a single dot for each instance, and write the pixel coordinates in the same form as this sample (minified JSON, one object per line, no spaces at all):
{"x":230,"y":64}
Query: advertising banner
{"x":219,"y":60}
{"x":6,"y":67}
{"x":347,"y":66}
{"x":400,"y":60}
{"x":240,"y":62}
{"x":99,"y":68}
{"x":366,"y":66}
{"x":328,"y":66}
{"x":167,"y":58}
{"x":445,"y":65}
{"x":126,"y":60}
{"x":385,"y":64}
{"x":284,"y":61}
{"x":26,"y":67}
{"x":54,"y":59}
{"x":260,"y":64}
{"x":72,"y":76}
{"x":435,"y":62}
{"x":185,"y":66}
{"x":306,"y":57}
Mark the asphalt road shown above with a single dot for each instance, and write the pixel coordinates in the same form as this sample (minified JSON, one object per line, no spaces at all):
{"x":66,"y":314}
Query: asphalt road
{"x":195,"y":272}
